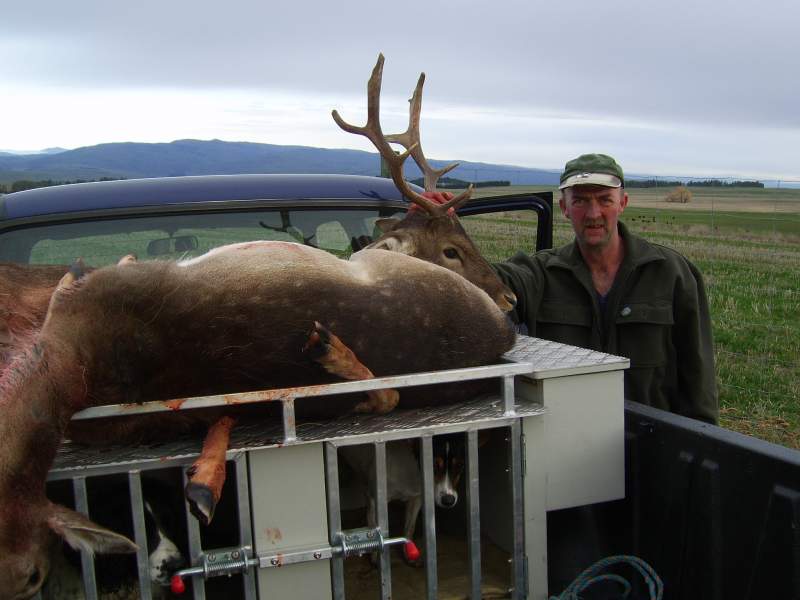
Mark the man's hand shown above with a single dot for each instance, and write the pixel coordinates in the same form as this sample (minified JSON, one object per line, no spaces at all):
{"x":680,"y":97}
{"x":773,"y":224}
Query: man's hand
{"x":438,"y":197}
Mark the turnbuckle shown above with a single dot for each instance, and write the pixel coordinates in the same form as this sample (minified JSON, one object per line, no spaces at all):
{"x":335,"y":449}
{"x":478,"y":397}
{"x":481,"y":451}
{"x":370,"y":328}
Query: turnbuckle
{"x":229,"y":561}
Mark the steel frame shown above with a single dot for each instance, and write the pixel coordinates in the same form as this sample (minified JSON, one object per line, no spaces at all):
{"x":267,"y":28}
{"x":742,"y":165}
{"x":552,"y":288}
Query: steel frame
{"x":497,"y":411}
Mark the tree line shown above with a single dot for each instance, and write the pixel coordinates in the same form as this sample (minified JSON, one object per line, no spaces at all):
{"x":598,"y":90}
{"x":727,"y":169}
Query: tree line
{"x":451,"y":183}
{"x":648,"y":183}
{"x":29,"y":184}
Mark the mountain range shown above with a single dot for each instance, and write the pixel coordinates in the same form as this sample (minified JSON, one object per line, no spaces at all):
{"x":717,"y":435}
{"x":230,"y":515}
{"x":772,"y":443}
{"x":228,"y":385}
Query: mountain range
{"x":204,"y":157}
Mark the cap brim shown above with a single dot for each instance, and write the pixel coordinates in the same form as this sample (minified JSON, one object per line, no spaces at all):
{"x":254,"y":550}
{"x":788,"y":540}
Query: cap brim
{"x":603,"y":179}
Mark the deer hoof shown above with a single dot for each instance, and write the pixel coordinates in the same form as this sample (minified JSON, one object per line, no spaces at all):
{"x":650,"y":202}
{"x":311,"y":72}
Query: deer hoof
{"x":317,"y":342}
{"x":201,"y":501}
{"x":364,"y":407}
{"x":379,"y":402}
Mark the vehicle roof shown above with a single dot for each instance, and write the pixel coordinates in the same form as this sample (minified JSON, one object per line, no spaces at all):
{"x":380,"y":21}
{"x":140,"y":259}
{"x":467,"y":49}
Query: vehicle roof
{"x":134,"y":193}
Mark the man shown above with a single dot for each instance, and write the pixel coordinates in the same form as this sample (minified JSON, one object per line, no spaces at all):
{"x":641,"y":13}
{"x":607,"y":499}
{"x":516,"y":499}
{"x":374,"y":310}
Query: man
{"x":613,"y":291}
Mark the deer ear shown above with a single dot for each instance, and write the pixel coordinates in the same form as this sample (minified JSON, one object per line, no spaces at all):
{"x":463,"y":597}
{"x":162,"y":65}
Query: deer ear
{"x":386,"y":225}
{"x":82,"y":534}
{"x":395,"y":243}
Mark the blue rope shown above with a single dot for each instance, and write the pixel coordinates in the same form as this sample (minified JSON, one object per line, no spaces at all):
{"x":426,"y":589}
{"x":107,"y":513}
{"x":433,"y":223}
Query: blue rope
{"x":594,"y":574}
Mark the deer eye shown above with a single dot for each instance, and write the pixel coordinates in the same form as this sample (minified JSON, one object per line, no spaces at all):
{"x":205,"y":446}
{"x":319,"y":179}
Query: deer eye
{"x":33,"y":579}
{"x":451,"y":253}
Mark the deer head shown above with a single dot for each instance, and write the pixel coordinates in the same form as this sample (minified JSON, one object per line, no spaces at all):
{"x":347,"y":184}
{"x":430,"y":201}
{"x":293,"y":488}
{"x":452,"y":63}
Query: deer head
{"x":31,"y":427}
{"x":430,"y":231}
{"x":34,"y":535}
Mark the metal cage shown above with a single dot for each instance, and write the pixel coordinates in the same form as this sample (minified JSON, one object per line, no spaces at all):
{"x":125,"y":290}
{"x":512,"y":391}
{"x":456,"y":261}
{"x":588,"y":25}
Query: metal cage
{"x":284,"y":490}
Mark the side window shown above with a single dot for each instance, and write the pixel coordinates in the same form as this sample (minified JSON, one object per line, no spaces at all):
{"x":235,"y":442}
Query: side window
{"x":500,"y":235}
{"x":93,"y":250}
{"x":169,"y":237}
{"x":333,"y":238}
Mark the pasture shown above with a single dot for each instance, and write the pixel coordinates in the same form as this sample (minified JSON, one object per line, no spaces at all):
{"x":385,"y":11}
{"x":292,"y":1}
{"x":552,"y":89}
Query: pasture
{"x":747,"y":244}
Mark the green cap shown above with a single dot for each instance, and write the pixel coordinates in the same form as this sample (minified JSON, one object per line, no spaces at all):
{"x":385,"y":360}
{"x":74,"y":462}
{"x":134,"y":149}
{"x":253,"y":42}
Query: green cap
{"x":592,"y":169}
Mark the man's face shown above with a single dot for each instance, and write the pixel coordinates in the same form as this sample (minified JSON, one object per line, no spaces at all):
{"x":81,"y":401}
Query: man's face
{"x":593,"y":211}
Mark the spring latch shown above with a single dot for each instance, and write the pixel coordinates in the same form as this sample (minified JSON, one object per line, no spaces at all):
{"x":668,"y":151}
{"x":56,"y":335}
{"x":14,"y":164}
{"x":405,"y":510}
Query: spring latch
{"x":225,"y":561}
{"x":228,"y":561}
{"x":357,"y":542}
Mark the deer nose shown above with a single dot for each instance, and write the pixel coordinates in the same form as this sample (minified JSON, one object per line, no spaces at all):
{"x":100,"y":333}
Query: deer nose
{"x":507,"y":301}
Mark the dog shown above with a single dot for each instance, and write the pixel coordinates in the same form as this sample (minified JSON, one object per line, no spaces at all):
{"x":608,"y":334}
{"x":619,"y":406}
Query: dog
{"x":109,"y":506}
{"x":404,"y":478}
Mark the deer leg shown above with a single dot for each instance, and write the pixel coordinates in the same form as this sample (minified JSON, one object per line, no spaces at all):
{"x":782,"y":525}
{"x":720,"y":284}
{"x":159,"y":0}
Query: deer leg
{"x":76,"y":271}
{"x":337,"y":359}
{"x":207,"y":474}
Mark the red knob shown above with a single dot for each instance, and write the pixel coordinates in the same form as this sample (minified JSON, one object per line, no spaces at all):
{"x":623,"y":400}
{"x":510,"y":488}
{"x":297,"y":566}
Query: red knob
{"x":411,"y":551}
{"x":176,"y":585}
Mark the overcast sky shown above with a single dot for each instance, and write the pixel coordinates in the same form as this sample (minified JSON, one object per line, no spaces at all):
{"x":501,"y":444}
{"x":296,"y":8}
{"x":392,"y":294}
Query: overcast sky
{"x":700,"y":87}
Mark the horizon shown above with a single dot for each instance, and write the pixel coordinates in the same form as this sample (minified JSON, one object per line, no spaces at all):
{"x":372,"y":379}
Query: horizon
{"x":633,"y":175}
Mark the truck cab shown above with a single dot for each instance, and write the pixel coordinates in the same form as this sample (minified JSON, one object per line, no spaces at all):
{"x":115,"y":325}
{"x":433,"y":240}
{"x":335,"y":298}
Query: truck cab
{"x":712,"y":511}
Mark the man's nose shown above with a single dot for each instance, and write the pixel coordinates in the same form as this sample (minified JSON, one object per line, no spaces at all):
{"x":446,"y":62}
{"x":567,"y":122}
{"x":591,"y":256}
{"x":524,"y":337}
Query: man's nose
{"x":593,"y":210}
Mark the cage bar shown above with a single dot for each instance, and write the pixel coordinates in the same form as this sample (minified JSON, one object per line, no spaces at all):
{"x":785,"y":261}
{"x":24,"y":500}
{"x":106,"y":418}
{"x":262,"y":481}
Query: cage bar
{"x":429,"y":517}
{"x":334,"y":517}
{"x":473,"y":514}
{"x":87,"y":560}
{"x":518,"y":575}
{"x":140,"y":533}
{"x":195,"y":546}
{"x":382,"y":515}
{"x":243,"y":514}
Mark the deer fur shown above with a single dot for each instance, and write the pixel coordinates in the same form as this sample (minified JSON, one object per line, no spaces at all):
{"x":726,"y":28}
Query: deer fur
{"x":234,"y":319}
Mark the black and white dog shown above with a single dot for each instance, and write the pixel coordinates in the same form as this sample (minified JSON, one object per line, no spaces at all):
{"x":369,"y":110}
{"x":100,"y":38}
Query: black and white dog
{"x":404,"y":477}
{"x":109,"y":506}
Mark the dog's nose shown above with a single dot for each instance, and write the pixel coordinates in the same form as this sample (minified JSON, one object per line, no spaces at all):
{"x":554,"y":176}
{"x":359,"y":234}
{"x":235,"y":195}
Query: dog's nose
{"x":448,"y":500}
{"x":175,"y":563}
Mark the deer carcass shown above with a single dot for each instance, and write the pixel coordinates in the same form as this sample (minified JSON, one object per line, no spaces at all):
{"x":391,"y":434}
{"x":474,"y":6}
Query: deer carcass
{"x":234,"y":319}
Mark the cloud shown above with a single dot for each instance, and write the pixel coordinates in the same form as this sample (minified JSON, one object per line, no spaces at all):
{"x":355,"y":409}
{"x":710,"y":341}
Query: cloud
{"x":624,"y":74}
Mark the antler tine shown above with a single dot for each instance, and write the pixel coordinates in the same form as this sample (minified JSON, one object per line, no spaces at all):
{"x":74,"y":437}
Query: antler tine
{"x":410,"y":140}
{"x":372,"y":131}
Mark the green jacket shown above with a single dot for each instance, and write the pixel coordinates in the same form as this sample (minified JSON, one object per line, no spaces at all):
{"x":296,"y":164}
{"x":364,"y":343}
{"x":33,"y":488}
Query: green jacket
{"x":656,"y":315}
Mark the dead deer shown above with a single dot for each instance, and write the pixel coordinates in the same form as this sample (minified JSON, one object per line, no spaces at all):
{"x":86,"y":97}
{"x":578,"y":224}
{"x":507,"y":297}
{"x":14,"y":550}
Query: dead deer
{"x":25,"y":292}
{"x":234,"y":319}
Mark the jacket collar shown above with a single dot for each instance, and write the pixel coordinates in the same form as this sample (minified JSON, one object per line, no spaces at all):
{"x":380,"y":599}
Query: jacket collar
{"x":638,"y":251}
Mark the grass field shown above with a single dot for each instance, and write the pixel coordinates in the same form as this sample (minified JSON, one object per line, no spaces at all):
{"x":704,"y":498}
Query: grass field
{"x":747,"y":244}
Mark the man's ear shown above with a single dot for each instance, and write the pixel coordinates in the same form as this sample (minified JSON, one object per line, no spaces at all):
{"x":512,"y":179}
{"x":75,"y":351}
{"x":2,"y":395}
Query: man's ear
{"x":624,"y":200}
{"x":562,"y":203}
{"x":387,"y":224}
{"x":82,"y":534}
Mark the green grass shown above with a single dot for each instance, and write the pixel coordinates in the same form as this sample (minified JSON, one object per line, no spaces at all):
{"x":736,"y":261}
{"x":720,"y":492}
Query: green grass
{"x":747,"y":245}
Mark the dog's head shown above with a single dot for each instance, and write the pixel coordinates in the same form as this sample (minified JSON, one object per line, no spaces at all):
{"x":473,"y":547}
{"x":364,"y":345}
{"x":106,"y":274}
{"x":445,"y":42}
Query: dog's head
{"x":448,"y":465}
{"x":165,"y":556}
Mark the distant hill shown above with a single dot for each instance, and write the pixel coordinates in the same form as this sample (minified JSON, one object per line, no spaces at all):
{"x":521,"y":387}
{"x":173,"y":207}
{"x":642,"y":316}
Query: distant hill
{"x":28,"y":152}
{"x":198,"y":157}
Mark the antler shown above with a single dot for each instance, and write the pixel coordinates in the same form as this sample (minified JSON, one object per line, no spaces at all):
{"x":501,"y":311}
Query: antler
{"x":409,"y":140}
